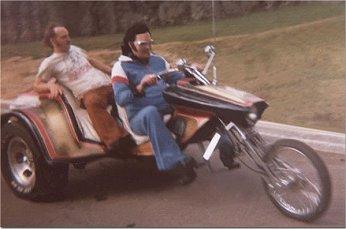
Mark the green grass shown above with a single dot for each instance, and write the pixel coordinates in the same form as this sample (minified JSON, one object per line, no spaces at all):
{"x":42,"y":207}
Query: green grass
{"x":252,"y":23}
{"x":300,"y":72}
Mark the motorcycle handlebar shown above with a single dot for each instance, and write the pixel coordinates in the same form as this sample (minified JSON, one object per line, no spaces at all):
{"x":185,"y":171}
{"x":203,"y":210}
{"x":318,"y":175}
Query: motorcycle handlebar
{"x":184,"y":67}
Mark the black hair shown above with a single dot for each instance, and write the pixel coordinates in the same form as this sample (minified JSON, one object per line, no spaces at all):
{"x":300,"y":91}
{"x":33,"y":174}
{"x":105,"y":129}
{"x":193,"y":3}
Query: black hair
{"x":130,"y":36}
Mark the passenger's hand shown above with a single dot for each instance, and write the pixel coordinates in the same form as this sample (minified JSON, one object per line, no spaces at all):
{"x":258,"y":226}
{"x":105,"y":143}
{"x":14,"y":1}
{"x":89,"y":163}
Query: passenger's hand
{"x":55,"y":90}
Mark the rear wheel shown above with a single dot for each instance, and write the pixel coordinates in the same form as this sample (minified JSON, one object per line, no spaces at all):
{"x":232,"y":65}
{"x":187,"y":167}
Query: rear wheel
{"x":24,"y":167}
{"x":301,"y":188}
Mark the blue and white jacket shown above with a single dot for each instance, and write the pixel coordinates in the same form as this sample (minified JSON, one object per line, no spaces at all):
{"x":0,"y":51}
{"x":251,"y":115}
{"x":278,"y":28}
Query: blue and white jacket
{"x":127,"y":73}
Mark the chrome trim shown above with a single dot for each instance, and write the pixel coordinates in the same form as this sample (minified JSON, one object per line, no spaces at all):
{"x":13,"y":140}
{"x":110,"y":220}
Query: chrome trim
{"x":21,"y":163}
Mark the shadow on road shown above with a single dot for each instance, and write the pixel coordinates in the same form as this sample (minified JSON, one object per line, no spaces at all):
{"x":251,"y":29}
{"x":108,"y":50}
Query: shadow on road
{"x":109,"y":177}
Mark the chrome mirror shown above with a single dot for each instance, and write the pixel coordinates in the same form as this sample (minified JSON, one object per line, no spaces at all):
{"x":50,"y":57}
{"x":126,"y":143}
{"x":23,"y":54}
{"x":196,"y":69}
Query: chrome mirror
{"x":209,"y":50}
{"x":180,"y":63}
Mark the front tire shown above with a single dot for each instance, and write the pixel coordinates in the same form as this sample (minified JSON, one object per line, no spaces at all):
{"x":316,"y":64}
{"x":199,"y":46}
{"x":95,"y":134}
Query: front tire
{"x":25,"y":169}
{"x":302,"y":189}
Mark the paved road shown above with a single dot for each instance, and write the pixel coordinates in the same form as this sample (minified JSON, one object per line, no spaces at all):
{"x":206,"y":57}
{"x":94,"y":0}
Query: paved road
{"x":110,"y":193}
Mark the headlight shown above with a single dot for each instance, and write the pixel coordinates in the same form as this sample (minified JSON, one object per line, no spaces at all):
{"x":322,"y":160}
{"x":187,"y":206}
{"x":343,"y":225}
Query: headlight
{"x":252,"y":116}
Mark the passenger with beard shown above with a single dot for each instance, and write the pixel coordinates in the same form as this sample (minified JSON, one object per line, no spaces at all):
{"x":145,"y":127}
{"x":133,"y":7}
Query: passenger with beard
{"x":86,"y":77}
{"x":137,"y":90}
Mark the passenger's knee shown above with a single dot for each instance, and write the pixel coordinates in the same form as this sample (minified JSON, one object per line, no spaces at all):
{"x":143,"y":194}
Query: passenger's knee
{"x":150,"y":112}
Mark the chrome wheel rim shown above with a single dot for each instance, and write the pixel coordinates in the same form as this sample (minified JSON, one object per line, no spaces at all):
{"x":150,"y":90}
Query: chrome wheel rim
{"x":21,"y":163}
{"x":298,"y":191}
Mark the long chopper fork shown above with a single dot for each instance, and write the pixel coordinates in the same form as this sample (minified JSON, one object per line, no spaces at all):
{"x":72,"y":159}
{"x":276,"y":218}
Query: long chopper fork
{"x":242,"y":139}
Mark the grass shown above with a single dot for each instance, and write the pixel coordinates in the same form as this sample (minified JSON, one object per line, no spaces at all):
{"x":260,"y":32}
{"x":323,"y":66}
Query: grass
{"x":300,"y":71}
{"x":253,"y":23}
{"x":293,"y":57}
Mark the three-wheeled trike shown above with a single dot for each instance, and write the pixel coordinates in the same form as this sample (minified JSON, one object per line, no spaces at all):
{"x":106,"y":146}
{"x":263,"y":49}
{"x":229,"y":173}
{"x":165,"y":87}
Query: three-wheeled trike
{"x":41,"y":137}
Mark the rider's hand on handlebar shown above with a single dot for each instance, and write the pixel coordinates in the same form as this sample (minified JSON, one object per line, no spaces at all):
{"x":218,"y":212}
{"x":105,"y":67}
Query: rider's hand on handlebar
{"x":149,"y":79}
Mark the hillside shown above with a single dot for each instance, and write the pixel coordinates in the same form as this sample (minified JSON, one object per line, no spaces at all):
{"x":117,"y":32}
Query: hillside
{"x":299,"y":70}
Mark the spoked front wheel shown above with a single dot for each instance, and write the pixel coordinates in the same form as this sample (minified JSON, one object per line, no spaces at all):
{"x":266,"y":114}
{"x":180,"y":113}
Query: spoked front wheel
{"x":300,"y":186}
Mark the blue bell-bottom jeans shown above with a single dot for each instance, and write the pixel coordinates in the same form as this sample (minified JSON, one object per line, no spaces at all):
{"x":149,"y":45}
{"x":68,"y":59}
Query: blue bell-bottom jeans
{"x":149,"y":121}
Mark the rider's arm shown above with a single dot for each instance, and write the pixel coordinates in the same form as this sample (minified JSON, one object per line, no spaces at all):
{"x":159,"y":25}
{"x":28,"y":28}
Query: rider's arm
{"x":179,"y":77}
{"x":95,"y":63}
{"x":44,"y":82}
{"x":123,"y":93}
{"x":99,"y":65}
{"x":173,"y":76}
{"x":121,"y":87}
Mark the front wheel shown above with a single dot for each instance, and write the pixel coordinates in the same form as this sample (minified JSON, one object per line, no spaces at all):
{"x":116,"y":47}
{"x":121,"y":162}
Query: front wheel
{"x":301,"y":186}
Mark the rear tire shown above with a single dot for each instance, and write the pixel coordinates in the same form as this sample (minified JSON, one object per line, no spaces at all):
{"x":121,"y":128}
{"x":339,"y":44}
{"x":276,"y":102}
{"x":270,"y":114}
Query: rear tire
{"x":293,"y":180}
{"x":25,"y":169}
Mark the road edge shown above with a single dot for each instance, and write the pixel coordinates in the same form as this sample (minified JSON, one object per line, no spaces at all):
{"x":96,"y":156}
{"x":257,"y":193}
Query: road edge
{"x":320,"y":140}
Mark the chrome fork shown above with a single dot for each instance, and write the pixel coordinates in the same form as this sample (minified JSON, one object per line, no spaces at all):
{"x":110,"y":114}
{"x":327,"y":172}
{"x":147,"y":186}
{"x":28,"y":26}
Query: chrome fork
{"x":253,"y":153}
{"x":255,"y":156}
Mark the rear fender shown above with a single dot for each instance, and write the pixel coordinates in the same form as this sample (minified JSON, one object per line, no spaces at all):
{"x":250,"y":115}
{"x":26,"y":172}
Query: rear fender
{"x":17,"y":116}
{"x":54,"y":132}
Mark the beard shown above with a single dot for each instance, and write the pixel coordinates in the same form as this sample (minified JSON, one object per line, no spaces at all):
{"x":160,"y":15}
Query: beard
{"x":64,"y":46}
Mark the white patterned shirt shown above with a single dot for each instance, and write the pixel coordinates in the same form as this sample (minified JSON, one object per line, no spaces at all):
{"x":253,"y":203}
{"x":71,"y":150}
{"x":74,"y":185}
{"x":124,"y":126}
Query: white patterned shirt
{"x":72,"y":70}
